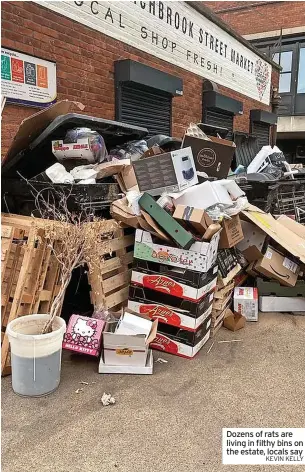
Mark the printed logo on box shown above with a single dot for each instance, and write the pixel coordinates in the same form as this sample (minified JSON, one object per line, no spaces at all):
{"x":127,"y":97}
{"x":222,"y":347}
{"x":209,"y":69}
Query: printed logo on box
{"x":161,"y":313}
{"x":206,"y":157}
{"x":166,"y":256}
{"x":124,"y":352}
{"x":163,"y":284}
{"x":83,"y":335}
{"x":164,"y":344}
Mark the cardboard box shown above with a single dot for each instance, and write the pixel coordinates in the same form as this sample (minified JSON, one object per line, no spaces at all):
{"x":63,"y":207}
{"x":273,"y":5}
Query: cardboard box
{"x":278,"y":267}
{"x":180,"y":342}
{"x":121,"y":212}
{"x":167,"y":314}
{"x":84,"y":335}
{"x":81,"y":150}
{"x":246,"y":302}
{"x":177,"y":233}
{"x":127,"y":179}
{"x":231,"y":233}
{"x":282,"y":304}
{"x":203,"y":196}
{"x":128,"y":369}
{"x":222,"y":293}
{"x":191,"y":308}
{"x":221,"y":304}
{"x":233,"y":321}
{"x":181,"y":283}
{"x":212,"y":157}
{"x":169,"y":172}
{"x":224,"y":281}
{"x":128,"y":344}
{"x":253,"y":241}
{"x":201,"y":256}
{"x":196,"y":218}
{"x":287,"y":239}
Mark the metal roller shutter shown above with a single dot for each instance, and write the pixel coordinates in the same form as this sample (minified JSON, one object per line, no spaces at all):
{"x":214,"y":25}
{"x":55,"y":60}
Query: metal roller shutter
{"x":219,"y":118}
{"x":147,"y":108}
{"x":262,"y":131}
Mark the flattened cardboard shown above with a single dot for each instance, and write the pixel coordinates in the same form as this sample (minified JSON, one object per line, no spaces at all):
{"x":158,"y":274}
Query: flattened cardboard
{"x":231,"y":233}
{"x":221,"y":304}
{"x":121,"y":212}
{"x":288,"y":240}
{"x":292,"y":225}
{"x":277,"y":267}
{"x":222,"y":293}
{"x":213,"y":157}
{"x":106,"y":169}
{"x":233,"y":321}
{"x":32,"y":126}
{"x":197,"y":218}
{"x":127,"y":179}
{"x":253,"y":236}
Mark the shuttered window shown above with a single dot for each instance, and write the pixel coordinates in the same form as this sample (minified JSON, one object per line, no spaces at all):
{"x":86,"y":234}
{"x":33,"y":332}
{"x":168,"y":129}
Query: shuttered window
{"x":219,"y":118}
{"x":146,"y":107}
{"x":262,"y":131}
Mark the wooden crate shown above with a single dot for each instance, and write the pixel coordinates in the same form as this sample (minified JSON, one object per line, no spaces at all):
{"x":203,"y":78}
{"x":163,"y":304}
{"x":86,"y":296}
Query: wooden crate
{"x":29,"y":274}
{"x":110,"y":282}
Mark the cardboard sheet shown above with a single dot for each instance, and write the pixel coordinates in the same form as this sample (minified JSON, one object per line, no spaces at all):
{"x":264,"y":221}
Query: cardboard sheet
{"x":288,"y":240}
{"x":32,"y":126}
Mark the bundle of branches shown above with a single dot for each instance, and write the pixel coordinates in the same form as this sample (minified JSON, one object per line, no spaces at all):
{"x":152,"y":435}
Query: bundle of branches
{"x":76,"y":239}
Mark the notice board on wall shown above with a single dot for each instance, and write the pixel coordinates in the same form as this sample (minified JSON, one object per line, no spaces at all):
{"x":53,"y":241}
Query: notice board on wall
{"x":27,"y":80}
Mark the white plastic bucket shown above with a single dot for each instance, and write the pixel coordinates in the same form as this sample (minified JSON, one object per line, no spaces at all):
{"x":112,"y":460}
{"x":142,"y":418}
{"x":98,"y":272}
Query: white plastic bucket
{"x":35,"y":358}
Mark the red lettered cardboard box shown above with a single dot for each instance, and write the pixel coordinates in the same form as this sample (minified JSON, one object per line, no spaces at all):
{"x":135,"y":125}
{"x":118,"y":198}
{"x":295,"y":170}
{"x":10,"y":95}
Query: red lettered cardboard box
{"x":182,"y":342}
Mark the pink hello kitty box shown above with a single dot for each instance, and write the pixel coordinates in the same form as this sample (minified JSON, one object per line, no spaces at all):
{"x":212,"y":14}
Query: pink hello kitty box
{"x":84,"y":335}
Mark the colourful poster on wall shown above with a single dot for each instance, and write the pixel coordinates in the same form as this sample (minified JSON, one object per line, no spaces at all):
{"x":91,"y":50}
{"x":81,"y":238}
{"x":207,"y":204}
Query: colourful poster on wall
{"x":27,"y":80}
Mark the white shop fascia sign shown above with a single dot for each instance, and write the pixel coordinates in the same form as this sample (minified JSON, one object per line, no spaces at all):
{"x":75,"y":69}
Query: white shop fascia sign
{"x":178,"y":34}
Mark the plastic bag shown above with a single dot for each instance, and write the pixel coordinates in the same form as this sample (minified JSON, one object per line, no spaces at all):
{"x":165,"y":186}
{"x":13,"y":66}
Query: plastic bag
{"x":131,"y":150}
{"x":58,"y":174}
{"x":96,"y":141}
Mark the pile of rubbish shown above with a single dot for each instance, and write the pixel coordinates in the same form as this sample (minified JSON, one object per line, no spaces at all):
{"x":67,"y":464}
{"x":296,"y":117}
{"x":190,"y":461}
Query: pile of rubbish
{"x":204,"y":255}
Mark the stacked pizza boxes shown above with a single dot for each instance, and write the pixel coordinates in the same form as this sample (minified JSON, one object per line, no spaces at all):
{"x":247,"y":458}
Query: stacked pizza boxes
{"x":175,"y":286}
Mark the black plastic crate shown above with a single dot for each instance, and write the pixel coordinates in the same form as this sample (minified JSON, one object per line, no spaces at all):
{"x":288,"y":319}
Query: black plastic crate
{"x":290,"y":199}
{"x":261,"y":194}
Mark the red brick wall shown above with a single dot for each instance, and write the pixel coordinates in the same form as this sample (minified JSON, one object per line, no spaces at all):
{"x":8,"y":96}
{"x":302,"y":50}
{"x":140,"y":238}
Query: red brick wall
{"x":253,"y":17}
{"x":85,"y":67}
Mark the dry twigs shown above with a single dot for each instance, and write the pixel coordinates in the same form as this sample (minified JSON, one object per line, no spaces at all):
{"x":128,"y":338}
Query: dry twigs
{"x":75,"y":239}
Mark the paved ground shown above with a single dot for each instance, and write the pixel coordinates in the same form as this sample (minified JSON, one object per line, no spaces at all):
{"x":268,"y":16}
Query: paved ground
{"x":170,"y":421}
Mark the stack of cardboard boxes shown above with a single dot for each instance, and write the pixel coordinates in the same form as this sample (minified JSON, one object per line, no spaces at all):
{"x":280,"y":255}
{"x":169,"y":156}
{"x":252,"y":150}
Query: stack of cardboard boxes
{"x":175,"y":286}
{"x":228,"y":270}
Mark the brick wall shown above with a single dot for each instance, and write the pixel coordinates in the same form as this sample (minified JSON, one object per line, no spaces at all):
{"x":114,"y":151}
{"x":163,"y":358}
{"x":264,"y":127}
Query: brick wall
{"x":85,"y":67}
{"x":256,"y":17}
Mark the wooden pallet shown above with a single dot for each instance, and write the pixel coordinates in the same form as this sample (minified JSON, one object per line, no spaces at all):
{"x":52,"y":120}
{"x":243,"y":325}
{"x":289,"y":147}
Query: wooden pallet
{"x":110,"y":282}
{"x":29,"y":274}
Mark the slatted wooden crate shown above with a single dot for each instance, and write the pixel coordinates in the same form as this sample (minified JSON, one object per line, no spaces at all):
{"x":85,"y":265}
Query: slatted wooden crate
{"x":110,"y":282}
{"x":29,"y":274}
